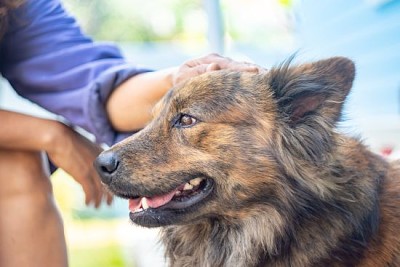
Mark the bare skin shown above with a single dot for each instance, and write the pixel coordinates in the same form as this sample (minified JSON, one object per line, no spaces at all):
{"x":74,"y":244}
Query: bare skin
{"x":31,"y":225}
{"x":31,"y":228}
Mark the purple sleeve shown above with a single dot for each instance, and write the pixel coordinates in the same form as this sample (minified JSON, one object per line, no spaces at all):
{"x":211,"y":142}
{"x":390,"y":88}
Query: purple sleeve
{"x":48,"y":60}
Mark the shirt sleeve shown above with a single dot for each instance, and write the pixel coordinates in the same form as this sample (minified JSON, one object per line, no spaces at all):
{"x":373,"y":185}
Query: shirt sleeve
{"x":48,"y":60}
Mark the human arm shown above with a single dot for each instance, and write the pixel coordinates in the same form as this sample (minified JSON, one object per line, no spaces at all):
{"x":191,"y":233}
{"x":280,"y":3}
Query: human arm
{"x":48,"y":60}
{"x":65,"y":148}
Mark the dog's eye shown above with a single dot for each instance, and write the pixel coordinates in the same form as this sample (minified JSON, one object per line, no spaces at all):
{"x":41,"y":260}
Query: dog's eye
{"x":185,"y":120}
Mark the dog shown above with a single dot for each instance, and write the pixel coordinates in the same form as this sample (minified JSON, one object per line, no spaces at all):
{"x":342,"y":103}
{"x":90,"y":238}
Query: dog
{"x":244,"y":169}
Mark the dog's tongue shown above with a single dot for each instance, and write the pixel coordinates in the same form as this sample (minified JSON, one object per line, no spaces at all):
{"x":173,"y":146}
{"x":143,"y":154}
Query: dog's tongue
{"x":134,"y":204}
{"x":158,"y":201}
{"x":152,"y":202}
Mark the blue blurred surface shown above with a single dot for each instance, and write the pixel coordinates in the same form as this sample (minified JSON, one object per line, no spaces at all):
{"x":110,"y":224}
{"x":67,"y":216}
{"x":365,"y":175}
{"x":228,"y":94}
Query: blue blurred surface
{"x":368,"y":32}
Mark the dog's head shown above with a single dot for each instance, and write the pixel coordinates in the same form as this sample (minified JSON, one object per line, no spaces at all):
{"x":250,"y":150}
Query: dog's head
{"x":223,"y":144}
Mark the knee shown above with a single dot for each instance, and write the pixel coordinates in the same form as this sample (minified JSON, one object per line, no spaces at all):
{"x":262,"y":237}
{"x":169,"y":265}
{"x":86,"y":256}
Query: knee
{"x":24,"y":173}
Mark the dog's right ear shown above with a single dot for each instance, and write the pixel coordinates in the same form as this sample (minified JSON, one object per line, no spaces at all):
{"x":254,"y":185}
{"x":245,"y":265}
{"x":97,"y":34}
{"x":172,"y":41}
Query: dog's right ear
{"x":309,"y":99}
{"x":312,"y":90}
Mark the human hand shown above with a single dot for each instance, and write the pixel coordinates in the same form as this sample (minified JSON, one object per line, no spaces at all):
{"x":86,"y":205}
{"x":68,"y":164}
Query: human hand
{"x":211,"y":62}
{"x":75,"y":154}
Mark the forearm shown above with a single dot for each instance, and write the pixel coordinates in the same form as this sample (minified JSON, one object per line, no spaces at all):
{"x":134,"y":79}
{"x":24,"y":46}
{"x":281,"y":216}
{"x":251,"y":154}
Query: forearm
{"x":65,"y":149}
{"x":129,"y":106}
{"x":20,"y":131}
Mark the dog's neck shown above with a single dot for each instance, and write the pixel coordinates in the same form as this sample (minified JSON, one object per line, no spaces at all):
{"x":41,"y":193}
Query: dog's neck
{"x":262,"y":241}
{"x":215,"y":243}
{"x":222,"y":244}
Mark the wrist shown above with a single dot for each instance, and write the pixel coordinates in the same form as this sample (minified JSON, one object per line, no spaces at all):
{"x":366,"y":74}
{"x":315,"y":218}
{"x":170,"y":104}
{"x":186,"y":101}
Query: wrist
{"x":21,"y":131}
{"x":52,"y":136}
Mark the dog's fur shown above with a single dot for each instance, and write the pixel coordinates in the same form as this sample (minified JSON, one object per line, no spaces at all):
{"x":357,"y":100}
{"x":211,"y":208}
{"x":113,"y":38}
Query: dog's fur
{"x":287,"y":189}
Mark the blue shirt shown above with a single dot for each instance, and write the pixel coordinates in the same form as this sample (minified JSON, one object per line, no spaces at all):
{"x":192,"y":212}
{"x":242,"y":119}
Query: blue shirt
{"x":48,"y":60}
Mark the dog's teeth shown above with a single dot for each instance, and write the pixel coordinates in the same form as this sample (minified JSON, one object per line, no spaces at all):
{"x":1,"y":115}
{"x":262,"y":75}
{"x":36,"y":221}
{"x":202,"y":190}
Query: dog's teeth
{"x":145,"y":206}
{"x":177,"y":193}
{"x":138,"y":210}
{"x":188,"y":187}
{"x":195,"y":182}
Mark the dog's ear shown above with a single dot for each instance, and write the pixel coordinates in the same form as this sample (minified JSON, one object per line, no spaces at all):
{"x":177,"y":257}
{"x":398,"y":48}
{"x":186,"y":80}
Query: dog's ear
{"x":316,"y":89}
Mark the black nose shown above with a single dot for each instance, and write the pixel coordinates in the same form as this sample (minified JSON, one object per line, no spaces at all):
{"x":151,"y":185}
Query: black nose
{"x":106,"y":165}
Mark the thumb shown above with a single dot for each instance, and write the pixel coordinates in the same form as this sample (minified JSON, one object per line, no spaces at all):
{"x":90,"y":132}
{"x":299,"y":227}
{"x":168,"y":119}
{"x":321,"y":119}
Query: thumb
{"x":194,"y":71}
{"x":212,"y":67}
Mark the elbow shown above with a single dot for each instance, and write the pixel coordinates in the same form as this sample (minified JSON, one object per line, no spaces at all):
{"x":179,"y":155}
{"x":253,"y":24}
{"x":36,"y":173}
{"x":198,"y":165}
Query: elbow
{"x":123,"y":119}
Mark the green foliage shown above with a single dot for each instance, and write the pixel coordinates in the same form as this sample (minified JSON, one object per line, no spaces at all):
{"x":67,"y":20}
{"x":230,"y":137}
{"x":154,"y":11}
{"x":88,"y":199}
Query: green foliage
{"x":264,"y":23}
{"x":109,"y":255}
{"x":133,"y":20}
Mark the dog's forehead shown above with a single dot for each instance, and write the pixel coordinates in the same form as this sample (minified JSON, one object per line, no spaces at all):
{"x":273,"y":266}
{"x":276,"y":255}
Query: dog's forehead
{"x":206,"y":84}
{"x":210,"y":94}
{"x":218,"y":87}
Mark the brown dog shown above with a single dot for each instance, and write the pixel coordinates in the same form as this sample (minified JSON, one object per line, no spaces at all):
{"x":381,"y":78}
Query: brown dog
{"x":244,"y":169}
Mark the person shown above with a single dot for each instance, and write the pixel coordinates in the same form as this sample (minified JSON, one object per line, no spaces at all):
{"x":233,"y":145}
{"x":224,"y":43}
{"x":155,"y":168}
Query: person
{"x":49,"y":61}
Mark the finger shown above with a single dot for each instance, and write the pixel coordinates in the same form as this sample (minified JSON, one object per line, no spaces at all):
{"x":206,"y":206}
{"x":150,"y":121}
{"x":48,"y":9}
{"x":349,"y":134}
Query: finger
{"x":226,"y":63}
{"x":109,"y":198}
{"x":246,"y":67}
{"x":233,"y":66}
{"x":92,"y":187}
{"x":106,"y":194}
{"x":212,"y":67}
{"x":207,"y":59}
{"x":203,"y":68}
{"x":190,"y":72}
{"x":97,"y":199}
{"x":99,"y":191}
{"x":88,"y":190}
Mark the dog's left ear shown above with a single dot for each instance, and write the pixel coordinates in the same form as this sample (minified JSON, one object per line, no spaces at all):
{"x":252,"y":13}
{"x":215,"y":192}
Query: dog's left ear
{"x":315,"y":89}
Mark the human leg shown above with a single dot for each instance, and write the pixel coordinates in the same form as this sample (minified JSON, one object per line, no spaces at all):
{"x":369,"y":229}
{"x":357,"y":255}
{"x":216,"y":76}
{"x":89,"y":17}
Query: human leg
{"x":31,"y":229}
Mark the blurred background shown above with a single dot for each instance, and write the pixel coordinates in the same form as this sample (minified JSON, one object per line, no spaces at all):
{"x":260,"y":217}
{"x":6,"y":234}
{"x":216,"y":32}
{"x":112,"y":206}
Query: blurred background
{"x":161,"y":33}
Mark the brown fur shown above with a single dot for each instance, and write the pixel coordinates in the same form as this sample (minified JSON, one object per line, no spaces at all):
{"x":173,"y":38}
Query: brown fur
{"x":287,"y":188}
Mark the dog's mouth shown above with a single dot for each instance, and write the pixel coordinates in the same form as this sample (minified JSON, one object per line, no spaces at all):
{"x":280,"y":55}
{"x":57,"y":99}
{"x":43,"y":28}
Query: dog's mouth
{"x":179,"y":199}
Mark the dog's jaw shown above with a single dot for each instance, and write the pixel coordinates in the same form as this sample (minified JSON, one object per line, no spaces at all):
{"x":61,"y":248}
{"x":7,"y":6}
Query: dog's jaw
{"x":171,"y":207}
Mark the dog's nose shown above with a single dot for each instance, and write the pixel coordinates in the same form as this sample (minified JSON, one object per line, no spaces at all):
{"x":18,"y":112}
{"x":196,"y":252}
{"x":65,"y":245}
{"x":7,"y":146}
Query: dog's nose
{"x":106,"y":165}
